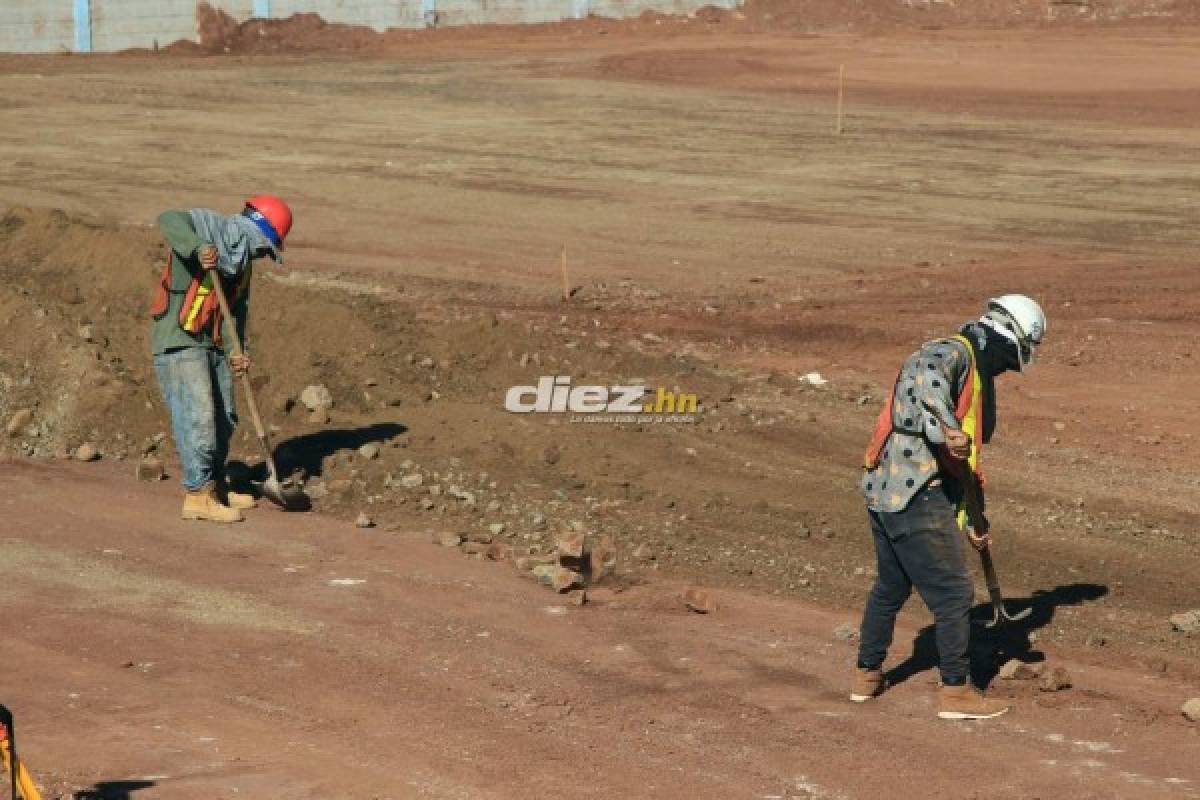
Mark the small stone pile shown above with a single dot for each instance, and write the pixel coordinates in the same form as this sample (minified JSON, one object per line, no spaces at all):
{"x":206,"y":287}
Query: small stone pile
{"x":1055,"y":679}
{"x":577,"y":561}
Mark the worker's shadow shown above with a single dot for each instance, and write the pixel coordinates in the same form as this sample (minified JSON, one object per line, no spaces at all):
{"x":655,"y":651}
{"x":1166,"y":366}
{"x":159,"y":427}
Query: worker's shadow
{"x":113,"y":790}
{"x":991,"y":647}
{"x":308,"y":452}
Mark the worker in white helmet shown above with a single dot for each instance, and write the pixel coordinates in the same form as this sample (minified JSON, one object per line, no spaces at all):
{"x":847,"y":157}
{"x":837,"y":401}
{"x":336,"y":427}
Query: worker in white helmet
{"x":913,"y":484}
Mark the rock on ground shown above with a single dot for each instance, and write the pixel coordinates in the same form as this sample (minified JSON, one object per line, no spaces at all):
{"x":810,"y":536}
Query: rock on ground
{"x":531,"y":563}
{"x":699,"y":600}
{"x":364,"y":521}
{"x":643,"y":553}
{"x":544,"y":572}
{"x":1186,"y":621}
{"x":1191,"y":709}
{"x":564,"y":580}
{"x":448,"y":538}
{"x":475,"y":548}
{"x":86,"y":452}
{"x":369,"y":451}
{"x":571,"y":545}
{"x":499,"y":551}
{"x":558,"y":578}
{"x":845,"y":632}
{"x":1014,"y":670}
{"x":603,"y":558}
{"x":18,"y":421}
{"x":150,"y":469}
{"x":316,"y":397}
{"x":1055,"y":680}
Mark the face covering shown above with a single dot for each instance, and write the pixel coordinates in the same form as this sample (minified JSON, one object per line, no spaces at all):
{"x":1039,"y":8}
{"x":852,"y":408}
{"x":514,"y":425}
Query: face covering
{"x":994,"y":354}
{"x":236,"y":238}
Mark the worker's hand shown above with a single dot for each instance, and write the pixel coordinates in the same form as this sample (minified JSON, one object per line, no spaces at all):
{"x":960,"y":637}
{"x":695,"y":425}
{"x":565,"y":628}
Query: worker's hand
{"x":979,"y":542}
{"x":958,"y":443}
{"x":240,"y":364}
{"x":208,"y":256}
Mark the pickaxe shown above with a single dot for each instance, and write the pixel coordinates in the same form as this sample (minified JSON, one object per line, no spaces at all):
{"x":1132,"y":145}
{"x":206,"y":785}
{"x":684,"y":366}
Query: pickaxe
{"x":973,"y":498}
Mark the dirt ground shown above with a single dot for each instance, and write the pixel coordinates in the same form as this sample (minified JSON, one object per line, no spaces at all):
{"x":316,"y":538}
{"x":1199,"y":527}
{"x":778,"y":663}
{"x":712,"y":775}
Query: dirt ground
{"x":721,"y":239}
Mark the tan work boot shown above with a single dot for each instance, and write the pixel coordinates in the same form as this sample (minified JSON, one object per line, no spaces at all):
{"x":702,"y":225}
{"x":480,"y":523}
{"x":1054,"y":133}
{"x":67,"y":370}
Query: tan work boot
{"x":240,"y":501}
{"x":868,"y":683}
{"x":967,"y":702}
{"x":203,"y":504}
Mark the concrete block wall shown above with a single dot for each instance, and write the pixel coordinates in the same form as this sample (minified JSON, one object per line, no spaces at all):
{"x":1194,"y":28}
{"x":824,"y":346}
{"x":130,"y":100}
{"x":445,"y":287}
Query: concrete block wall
{"x":502,"y":12}
{"x":37,"y":26}
{"x":121,"y":24}
{"x":377,"y":14}
{"x":47,"y":26}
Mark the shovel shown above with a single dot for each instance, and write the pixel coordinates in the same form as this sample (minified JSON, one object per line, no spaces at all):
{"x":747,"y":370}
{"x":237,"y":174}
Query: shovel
{"x":286,"y":494}
{"x":980,"y":524}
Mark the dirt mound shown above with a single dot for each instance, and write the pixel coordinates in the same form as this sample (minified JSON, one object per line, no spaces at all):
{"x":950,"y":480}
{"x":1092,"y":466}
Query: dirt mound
{"x":78,"y":290}
{"x":425,"y":395}
{"x":299,"y":33}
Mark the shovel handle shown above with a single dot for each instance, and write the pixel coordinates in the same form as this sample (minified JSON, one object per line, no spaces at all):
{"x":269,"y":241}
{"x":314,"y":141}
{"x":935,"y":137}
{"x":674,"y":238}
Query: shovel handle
{"x":236,"y":347}
{"x":989,"y":571}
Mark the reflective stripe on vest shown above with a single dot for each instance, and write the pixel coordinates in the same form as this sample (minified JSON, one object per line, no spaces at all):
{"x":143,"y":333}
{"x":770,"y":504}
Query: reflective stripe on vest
{"x":970,"y":418}
{"x":200,"y":307}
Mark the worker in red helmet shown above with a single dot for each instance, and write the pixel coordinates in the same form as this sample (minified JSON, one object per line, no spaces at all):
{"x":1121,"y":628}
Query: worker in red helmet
{"x":189,"y":338}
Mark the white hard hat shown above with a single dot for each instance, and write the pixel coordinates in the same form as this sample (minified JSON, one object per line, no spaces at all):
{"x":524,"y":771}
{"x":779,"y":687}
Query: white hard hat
{"x":1020,"y":319}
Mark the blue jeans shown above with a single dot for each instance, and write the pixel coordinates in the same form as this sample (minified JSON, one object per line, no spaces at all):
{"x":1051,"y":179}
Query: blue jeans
{"x":197,"y":386}
{"x":920,"y":547}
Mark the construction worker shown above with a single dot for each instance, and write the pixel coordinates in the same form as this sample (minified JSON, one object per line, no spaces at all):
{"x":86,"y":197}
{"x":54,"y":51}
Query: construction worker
{"x":913,"y":484}
{"x":194,"y":371}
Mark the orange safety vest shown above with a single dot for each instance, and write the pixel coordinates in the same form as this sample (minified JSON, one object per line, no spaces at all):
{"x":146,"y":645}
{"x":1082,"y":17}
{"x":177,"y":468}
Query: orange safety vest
{"x":968,"y":412}
{"x":200,"y":306}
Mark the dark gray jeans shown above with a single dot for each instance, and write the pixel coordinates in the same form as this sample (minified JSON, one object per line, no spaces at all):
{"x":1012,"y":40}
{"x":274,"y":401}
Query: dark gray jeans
{"x":920,"y":547}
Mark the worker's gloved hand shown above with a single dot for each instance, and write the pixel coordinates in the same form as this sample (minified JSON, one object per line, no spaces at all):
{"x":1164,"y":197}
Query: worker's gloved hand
{"x":958,"y":443}
{"x":240,"y":364}
{"x":978,"y":541}
{"x":208,"y":256}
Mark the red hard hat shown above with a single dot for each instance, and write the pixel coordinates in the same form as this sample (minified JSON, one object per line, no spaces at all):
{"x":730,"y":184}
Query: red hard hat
{"x":275,"y":213}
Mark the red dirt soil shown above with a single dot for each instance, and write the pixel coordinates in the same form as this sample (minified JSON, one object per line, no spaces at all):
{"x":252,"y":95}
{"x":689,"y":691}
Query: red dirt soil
{"x":224,"y":663}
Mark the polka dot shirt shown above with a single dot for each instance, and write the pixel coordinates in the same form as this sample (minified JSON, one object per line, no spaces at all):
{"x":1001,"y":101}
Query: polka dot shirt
{"x":934,"y":375}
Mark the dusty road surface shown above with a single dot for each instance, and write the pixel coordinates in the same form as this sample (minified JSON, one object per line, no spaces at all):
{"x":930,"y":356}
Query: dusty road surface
{"x":234,"y":663}
{"x":720,"y":240}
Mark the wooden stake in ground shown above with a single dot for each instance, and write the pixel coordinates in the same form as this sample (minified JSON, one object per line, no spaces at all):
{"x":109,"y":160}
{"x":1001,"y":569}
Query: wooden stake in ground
{"x":566,"y":289}
{"x":841,"y":96}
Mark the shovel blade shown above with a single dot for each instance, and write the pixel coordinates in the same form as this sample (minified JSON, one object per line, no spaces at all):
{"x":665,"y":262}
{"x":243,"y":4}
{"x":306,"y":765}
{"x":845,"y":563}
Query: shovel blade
{"x":286,"y":494}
